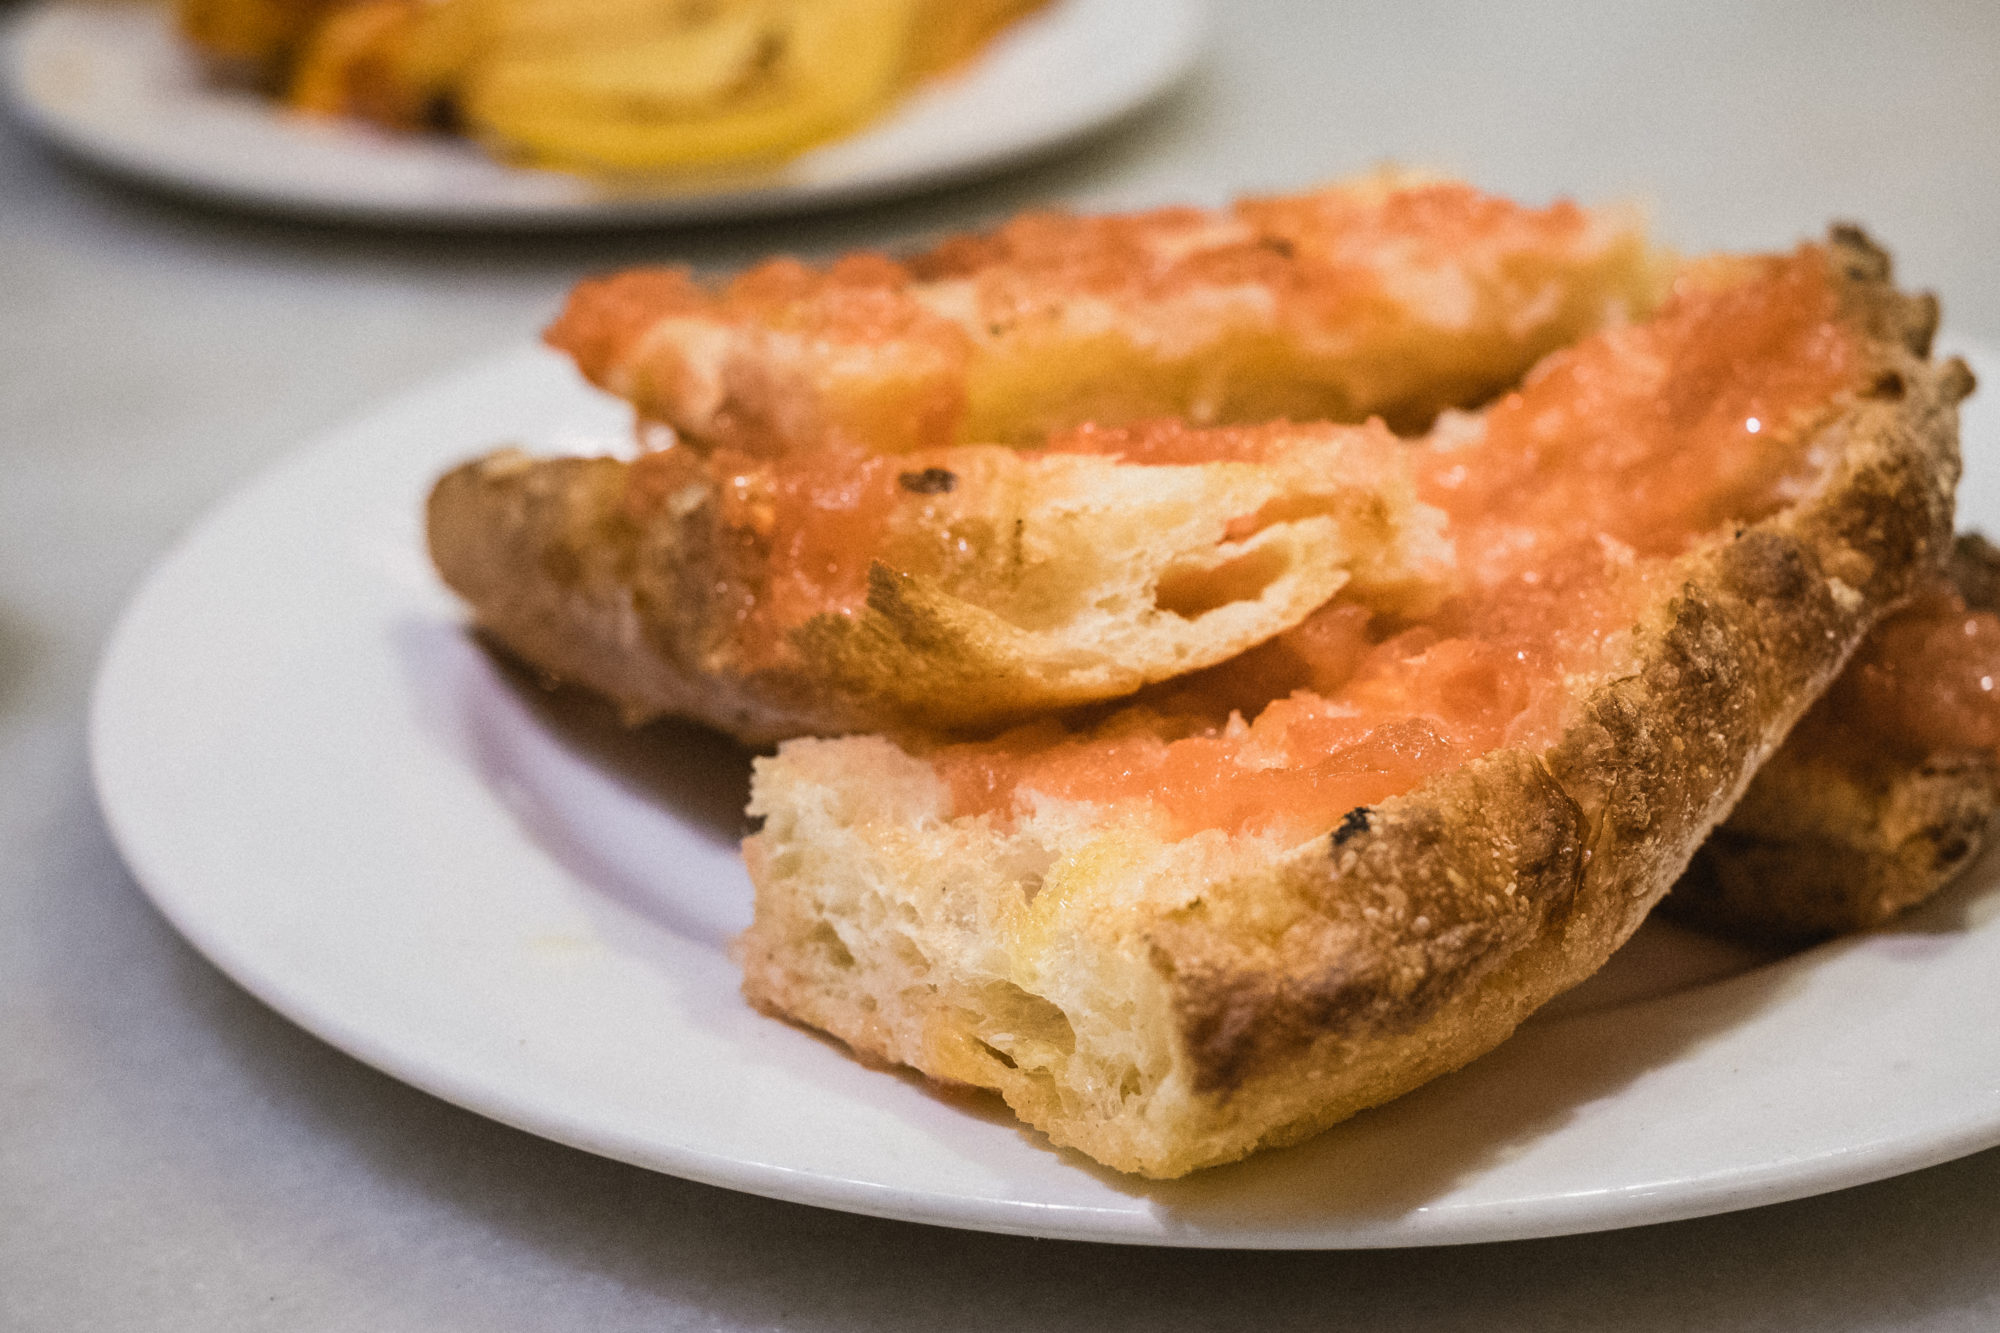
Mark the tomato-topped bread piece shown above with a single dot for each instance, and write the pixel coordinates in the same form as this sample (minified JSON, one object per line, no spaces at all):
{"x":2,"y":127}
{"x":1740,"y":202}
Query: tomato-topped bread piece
{"x":1266,"y":896}
{"x":1392,"y":297}
{"x":952,"y":589}
{"x":1884,"y":792}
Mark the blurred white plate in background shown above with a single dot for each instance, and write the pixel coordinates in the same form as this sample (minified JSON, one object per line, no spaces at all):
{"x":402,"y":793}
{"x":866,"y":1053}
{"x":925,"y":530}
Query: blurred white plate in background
{"x":113,"y":84}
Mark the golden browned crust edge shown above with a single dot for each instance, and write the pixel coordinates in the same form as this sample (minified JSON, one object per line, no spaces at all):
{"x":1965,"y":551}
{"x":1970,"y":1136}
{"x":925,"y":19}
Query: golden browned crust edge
{"x":1429,"y":926}
{"x":577,"y":567}
{"x":1831,"y":838}
{"x":566,"y":581}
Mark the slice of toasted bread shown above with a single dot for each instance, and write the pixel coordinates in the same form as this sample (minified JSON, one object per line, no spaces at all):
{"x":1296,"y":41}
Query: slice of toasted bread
{"x":954,"y":589}
{"x":1165,"y":945}
{"x":1863,"y":813}
{"x":1391,"y":296}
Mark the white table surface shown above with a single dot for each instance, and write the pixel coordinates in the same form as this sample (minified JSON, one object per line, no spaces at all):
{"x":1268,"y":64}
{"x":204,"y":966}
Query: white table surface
{"x":174,"y":1156}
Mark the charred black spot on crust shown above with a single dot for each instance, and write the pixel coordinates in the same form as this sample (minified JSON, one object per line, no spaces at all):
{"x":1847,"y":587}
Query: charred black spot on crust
{"x":1952,"y":852}
{"x":931,"y":481}
{"x":1771,"y":568}
{"x":1352,"y":824}
{"x":1952,"y":845}
{"x":1890,"y":385}
{"x":1861,"y":260}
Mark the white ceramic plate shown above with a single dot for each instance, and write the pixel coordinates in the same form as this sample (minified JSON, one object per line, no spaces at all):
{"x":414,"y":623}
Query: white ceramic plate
{"x":499,"y":897}
{"x":111,"y":83}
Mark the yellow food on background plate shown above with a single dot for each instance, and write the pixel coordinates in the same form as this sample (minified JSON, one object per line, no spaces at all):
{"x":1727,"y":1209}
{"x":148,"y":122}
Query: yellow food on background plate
{"x":611,"y":86}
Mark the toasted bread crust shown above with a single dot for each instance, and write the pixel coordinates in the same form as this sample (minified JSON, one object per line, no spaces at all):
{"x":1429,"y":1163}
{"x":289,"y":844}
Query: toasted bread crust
{"x":1833,"y":836}
{"x":1421,"y":931}
{"x":1023,"y":582}
{"x":564,"y":578}
{"x":1390,"y":295}
{"x":1591,"y":834}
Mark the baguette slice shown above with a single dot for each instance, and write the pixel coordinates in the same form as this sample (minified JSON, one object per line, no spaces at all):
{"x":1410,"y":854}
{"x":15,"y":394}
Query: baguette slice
{"x":1390,"y":296}
{"x":1884,"y":792}
{"x":956,"y":589}
{"x":1161,"y":962}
